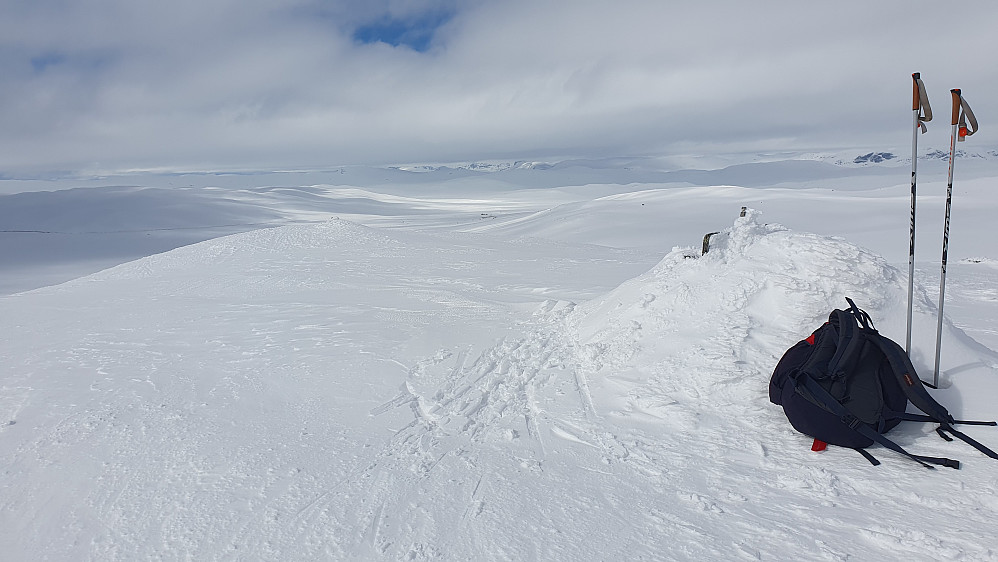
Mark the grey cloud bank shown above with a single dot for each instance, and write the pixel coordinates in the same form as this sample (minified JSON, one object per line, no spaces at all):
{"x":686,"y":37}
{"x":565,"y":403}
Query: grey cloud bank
{"x":104,"y":86}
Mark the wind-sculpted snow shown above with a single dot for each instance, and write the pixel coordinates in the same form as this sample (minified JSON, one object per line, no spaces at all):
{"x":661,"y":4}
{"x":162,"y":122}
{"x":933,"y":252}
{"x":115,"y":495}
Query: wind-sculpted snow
{"x":340,"y":392}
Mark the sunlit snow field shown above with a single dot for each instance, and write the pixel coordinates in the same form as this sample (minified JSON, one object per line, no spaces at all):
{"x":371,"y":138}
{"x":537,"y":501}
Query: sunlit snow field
{"x":506,"y":362}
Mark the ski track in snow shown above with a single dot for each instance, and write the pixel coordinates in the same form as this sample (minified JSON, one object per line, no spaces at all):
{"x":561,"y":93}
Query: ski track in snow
{"x":520,"y":409}
{"x":341,"y":392}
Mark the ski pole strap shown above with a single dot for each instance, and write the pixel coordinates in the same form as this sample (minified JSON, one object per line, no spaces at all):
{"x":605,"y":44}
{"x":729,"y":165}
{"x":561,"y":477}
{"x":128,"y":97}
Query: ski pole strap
{"x":966,"y":115}
{"x":962,"y":114}
{"x":920,"y":101}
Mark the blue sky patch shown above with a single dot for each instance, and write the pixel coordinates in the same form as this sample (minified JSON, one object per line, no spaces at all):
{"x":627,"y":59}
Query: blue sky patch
{"x":415,"y":33}
{"x":43,"y":62}
{"x":78,"y":61}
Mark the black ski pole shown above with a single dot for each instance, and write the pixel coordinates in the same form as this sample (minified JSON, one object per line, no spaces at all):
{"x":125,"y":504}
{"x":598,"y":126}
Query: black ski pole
{"x":961,"y":113}
{"x":921,"y":112}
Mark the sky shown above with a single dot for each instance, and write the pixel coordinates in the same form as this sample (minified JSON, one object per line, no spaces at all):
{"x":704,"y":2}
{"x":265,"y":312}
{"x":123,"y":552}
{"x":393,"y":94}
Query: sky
{"x":106,"y":86}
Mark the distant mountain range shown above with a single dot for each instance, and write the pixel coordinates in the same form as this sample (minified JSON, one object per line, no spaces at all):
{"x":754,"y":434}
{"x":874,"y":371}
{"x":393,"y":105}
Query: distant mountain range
{"x":935,"y":154}
{"x":842,"y":158}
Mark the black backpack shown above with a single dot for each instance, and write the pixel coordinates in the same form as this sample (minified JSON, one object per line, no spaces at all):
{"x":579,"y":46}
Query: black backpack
{"x":847,"y":385}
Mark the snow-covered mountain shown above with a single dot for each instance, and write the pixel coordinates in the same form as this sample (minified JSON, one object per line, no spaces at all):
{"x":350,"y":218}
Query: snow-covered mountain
{"x":847,"y":158}
{"x":483,"y":369}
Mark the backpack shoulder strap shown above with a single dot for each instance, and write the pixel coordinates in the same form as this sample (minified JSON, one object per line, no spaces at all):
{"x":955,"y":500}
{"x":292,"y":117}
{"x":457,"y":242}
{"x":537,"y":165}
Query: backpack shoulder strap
{"x":812,"y":391}
{"x":917,"y":395}
{"x":966,"y":439}
{"x":908,"y":379}
{"x":920,"y":418}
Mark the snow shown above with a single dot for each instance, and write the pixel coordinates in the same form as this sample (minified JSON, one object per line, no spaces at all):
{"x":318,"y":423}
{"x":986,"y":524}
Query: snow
{"x":501,"y":362}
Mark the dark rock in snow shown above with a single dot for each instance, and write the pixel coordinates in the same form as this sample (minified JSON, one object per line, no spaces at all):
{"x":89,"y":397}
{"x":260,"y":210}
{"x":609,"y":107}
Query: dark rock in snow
{"x":875,"y":157}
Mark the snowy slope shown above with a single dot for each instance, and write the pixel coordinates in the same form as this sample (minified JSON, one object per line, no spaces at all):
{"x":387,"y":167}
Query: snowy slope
{"x":478,"y":362}
{"x":196,"y":403}
{"x":335,"y":391}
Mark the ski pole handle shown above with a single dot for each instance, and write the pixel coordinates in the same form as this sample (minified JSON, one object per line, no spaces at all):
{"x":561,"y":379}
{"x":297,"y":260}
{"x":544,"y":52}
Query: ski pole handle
{"x":915,"y":79}
{"x":956,"y":105}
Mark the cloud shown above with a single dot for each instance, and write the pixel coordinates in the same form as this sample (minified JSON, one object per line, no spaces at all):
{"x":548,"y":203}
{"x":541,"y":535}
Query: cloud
{"x":270,"y":84}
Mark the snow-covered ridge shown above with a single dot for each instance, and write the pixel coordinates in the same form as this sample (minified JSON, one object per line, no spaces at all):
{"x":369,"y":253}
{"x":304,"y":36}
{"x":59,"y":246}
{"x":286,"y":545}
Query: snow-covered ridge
{"x":485,"y":167}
